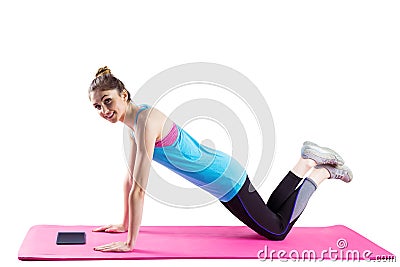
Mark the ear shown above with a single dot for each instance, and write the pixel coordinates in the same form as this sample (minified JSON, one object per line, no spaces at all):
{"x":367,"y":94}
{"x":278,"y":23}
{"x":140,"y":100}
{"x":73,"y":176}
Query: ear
{"x":124,"y":95}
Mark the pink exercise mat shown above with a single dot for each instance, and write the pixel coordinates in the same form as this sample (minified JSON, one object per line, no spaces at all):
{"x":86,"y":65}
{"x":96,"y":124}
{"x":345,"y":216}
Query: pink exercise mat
{"x":205,"y":242}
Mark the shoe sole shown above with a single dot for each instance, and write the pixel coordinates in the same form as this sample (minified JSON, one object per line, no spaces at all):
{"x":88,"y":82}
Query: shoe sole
{"x":326,"y":153}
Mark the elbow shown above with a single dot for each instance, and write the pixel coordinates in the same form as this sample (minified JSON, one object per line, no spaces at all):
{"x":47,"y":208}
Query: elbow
{"x":137,"y":193}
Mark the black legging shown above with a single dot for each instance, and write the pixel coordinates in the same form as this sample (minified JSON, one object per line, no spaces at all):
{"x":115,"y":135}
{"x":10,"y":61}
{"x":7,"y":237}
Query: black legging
{"x":275,"y":219}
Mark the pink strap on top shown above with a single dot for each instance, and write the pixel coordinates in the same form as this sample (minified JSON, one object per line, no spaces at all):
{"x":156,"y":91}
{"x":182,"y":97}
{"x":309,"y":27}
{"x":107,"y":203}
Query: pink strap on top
{"x":169,"y":139}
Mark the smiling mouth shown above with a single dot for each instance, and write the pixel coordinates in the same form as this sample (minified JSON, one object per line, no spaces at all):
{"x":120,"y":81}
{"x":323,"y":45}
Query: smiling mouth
{"x":109,"y":116}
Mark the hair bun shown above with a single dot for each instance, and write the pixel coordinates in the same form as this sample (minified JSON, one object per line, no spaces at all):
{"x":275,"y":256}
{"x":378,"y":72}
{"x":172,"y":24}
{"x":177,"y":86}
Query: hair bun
{"x":102,"y":71}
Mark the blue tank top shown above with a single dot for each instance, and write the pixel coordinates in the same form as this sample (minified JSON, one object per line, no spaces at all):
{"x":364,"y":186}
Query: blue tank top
{"x":212,"y":170}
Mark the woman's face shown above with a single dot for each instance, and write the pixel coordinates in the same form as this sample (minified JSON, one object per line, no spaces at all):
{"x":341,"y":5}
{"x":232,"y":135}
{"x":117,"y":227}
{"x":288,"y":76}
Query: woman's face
{"x":109,"y":104}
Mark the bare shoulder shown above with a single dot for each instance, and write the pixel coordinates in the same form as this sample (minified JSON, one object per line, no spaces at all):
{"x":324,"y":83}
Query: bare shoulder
{"x":152,"y":116}
{"x":152,"y":121}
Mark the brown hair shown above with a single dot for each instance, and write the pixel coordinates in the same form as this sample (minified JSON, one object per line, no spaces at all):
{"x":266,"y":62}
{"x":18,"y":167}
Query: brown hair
{"x":106,"y":81}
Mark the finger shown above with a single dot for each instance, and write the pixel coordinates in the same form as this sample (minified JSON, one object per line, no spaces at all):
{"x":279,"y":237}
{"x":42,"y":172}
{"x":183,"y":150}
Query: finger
{"x":115,"y":249}
{"x":102,"y":228}
{"x":98,"y":229}
{"x":105,"y":246}
{"x":113,"y":230}
{"x":101,"y":248}
{"x":111,"y":248}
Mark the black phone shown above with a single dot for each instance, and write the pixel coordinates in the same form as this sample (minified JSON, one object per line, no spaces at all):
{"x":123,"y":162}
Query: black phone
{"x":71,"y":238}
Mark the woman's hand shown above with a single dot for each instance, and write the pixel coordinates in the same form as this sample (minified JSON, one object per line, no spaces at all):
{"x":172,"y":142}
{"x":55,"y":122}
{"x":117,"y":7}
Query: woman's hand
{"x":115,"y":247}
{"x":111,"y":228}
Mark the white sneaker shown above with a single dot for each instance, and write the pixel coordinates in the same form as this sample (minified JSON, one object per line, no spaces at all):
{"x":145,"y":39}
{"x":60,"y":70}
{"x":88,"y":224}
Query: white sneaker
{"x":338,"y":172}
{"x":321,"y":155}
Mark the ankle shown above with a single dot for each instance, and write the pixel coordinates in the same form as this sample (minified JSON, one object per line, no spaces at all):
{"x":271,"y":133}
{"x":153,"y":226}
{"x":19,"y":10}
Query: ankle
{"x":321,"y":172}
{"x":309,"y":163}
{"x":303,"y":166}
{"x":319,"y":175}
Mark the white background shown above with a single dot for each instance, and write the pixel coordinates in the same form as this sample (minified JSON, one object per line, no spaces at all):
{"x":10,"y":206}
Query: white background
{"x":329,"y":71}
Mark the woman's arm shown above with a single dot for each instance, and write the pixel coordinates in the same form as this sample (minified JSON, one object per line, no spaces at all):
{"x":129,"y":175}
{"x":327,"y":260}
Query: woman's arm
{"x":127,"y":190}
{"x":129,"y":181}
{"x":145,"y":139}
{"x":146,"y":136}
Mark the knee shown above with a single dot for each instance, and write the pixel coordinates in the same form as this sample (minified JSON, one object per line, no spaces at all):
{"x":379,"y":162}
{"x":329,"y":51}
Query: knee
{"x":277,"y":237}
{"x":273,"y":237}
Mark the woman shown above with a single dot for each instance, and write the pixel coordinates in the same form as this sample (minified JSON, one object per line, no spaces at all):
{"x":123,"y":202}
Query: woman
{"x":155,"y":136}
